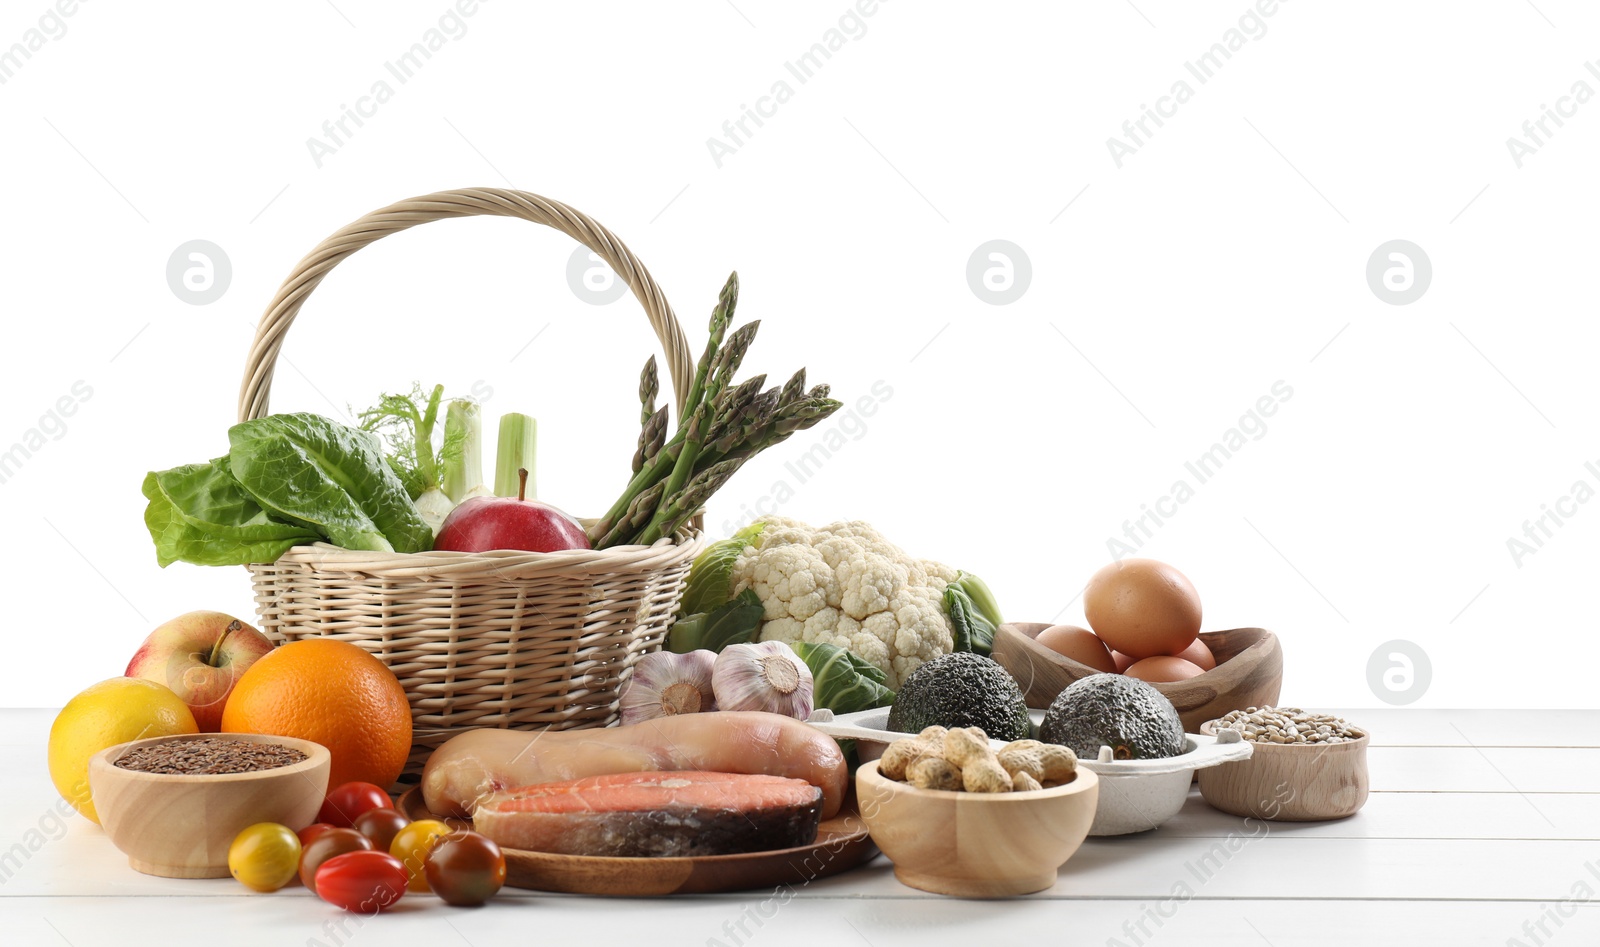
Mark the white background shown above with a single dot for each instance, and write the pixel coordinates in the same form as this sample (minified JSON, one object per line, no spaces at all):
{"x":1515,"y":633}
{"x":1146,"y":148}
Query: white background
{"x":1226,"y":254}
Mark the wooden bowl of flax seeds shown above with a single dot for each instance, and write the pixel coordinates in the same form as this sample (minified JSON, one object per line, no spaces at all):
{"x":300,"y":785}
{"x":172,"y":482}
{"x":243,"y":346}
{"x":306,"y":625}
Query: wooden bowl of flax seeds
{"x":174,"y":804}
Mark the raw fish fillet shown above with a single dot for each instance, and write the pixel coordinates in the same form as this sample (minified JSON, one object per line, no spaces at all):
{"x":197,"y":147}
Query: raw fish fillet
{"x":659,"y":814}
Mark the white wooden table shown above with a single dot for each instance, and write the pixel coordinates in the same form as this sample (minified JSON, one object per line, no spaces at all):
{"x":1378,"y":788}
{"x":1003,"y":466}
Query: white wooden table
{"x":1483,"y":828}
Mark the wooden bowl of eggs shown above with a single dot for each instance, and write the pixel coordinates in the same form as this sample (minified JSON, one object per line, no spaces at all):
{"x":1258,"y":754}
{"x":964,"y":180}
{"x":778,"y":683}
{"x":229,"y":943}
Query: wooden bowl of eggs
{"x":1146,"y":620}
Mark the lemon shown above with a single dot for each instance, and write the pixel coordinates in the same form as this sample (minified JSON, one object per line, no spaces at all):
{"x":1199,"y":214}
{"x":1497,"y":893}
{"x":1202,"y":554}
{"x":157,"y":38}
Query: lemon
{"x":110,"y":712}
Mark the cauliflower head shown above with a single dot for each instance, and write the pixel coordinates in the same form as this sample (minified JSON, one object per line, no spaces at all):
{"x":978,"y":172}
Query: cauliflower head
{"x":845,"y":584}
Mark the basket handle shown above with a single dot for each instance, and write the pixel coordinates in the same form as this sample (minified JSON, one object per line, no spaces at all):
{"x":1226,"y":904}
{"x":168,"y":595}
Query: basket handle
{"x":469,"y":202}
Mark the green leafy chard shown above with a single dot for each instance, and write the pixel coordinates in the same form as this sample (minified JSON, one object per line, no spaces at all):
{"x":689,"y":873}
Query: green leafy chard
{"x":308,"y":469}
{"x":199,"y":513}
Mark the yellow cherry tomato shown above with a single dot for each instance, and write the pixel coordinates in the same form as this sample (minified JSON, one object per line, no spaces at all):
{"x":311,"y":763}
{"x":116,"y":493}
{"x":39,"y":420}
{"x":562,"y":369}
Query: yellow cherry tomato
{"x":265,"y":856}
{"x":412,"y":844}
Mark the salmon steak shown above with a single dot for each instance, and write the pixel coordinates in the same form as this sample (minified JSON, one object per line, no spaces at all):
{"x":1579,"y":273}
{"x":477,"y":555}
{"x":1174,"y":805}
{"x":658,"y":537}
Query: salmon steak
{"x":654,"y":815}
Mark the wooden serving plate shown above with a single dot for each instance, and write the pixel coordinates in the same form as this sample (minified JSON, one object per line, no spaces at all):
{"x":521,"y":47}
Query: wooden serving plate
{"x":842,"y":844}
{"x":1249,"y":671}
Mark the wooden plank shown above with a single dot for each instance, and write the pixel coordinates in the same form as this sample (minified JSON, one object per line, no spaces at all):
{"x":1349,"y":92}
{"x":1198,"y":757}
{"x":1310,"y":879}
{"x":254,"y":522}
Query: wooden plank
{"x":1405,"y":726}
{"x":26,"y":727}
{"x":1270,"y":864}
{"x":1393,"y":769}
{"x":243,"y":920}
{"x":1421,"y":815}
{"x":1257,"y":860}
{"x":1261,"y":860}
{"x":1484,"y":769}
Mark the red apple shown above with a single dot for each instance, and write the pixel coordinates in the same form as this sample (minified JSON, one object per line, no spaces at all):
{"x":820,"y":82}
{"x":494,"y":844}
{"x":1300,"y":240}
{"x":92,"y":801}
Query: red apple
{"x":480,"y":524}
{"x":200,"y":655}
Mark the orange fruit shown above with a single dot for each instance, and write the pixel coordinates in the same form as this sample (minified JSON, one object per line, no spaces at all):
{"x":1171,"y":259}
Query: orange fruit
{"x":332,"y":693}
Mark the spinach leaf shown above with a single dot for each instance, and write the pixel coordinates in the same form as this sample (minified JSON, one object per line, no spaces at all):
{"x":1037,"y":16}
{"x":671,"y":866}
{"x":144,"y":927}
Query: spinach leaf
{"x":306,"y":468}
{"x":198,"y":513}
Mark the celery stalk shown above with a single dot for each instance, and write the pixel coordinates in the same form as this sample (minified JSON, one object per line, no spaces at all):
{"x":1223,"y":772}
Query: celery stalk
{"x":464,"y":470}
{"x":518,"y":448}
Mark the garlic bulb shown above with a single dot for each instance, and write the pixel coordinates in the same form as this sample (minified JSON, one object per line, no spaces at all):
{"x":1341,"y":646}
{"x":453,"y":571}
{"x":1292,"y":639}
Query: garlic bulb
{"x":767,"y":676}
{"x":664,"y":684}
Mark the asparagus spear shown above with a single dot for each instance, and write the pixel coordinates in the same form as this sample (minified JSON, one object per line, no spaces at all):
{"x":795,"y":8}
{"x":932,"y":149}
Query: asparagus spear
{"x":712,"y":367}
{"x":651,"y":438}
{"x":727,"y":363}
{"x":639,"y":509}
{"x":794,"y":389}
{"x":721,"y":316}
{"x":672,"y":514}
{"x":732,"y":403}
{"x":649,"y":385}
{"x":721,"y":425}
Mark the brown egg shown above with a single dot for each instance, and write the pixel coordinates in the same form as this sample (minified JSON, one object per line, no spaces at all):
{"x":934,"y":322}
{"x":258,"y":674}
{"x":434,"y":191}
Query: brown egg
{"x":1122,"y":661}
{"x":1079,"y":644}
{"x":1199,"y":654}
{"x":1142,"y":608}
{"x":1163,"y":669}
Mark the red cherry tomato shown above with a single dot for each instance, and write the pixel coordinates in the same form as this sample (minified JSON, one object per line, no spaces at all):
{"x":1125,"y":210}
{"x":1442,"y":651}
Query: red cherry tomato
{"x":330,"y":844}
{"x":465,"y":868}
{"x":380,"y":826}
{"x":308,"y":834}
{"x":345,"y":803}
{"x":363,"y":882}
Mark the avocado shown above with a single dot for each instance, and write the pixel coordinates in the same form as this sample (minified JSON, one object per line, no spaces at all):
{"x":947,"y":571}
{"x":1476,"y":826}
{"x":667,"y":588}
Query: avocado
{"x":1137,"y":721}
{"x":961,"y":690}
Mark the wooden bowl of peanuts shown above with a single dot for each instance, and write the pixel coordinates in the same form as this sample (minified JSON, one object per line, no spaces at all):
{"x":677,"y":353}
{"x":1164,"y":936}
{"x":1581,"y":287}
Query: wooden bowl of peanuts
{"x":1307,"y":767}
{"x":996,"y":835}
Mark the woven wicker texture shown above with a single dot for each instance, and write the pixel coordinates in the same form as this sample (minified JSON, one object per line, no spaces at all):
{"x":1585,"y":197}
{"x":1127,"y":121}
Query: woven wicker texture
{"x":500,"y":639}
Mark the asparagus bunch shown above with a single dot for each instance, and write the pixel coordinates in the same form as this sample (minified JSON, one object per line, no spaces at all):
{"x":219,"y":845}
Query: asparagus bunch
{"x":721,"y":426}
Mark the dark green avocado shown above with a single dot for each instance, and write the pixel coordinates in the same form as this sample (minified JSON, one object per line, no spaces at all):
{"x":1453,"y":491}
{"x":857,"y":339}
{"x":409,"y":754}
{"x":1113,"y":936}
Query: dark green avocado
{"x":961,"y":690}
{"x":1124,"y":713}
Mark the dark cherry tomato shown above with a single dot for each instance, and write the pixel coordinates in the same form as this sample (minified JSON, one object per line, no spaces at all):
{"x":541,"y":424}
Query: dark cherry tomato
{"x":310,"y":832}
{"x":465,"y":868}
{"x":330,"y":844}
{"x":364,"y":882}
{"x":346,"y":802}
{"x":380,"y":826}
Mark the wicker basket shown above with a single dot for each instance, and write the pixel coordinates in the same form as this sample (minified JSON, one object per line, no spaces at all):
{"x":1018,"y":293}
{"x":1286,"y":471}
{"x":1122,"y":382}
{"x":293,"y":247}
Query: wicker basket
{"x":501,"y":639}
